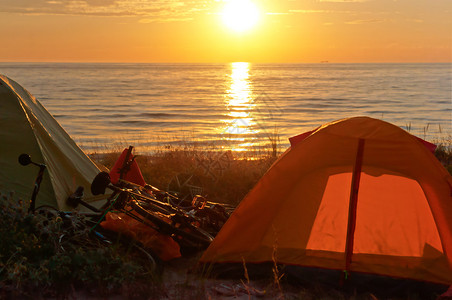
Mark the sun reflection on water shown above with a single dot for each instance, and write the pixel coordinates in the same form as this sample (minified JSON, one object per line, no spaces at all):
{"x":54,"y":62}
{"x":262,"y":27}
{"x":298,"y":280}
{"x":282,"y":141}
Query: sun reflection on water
{"x":239,"y":101}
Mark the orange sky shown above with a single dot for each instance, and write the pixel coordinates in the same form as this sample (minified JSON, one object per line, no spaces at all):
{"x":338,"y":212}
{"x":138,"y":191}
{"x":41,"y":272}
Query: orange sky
{"x":193,"y":31}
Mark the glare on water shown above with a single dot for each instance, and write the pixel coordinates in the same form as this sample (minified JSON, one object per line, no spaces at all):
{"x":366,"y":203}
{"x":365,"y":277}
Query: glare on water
{"x":239,"y":101}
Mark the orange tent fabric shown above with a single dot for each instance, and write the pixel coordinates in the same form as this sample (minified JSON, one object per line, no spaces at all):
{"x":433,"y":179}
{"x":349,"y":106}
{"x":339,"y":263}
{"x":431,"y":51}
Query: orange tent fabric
{"x":357,"y":194}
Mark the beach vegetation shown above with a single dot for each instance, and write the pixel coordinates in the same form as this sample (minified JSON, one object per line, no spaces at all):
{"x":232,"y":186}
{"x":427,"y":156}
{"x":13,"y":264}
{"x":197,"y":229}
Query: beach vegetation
{"x":46,"y":255}
{"x":222,"y":176}
{"x":58,"y":257}
{"x":444,"y":151}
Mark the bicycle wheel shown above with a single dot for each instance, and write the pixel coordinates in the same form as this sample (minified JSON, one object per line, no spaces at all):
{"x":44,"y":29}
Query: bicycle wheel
{"x":183,"y":232}
{"x":134,"y":248}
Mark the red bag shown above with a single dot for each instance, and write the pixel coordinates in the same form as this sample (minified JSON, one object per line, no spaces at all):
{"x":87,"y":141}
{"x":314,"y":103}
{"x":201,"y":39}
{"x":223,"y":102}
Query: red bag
{"x":163,"y":245}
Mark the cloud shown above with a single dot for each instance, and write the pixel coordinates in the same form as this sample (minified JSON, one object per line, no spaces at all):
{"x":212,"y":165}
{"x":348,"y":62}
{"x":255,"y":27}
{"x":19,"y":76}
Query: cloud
{"x":318,"y":11}
{"x":346,"y":1}
{"x":166,"y":19}
{"x":278,"y":13}
{"x":150,"y":11}
{"x":100,"y":2}
{"x":368,"y":21}
{"x":308,"y":11}
{"x":415,"y":20}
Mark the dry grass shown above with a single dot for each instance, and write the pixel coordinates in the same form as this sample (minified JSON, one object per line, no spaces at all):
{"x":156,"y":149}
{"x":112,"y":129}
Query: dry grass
{"x":224,"y":176}
{"x":444,"y":151}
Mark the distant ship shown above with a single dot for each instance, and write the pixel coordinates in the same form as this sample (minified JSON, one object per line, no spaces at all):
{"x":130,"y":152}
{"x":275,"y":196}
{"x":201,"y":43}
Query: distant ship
{"x":324,"y":62}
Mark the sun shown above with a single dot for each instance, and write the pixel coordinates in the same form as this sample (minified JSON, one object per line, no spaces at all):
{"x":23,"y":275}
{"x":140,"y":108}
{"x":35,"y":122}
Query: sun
{"x":240,"y":15}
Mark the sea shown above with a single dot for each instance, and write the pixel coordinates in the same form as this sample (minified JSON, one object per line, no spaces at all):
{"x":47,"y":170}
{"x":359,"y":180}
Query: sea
{"x":236,"y":106}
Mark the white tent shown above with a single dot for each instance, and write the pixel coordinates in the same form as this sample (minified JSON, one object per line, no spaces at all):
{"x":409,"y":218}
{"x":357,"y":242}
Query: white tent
{"x":27,"y":127}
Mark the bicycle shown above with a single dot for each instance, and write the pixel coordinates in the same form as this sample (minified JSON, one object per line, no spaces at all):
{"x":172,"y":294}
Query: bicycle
{"x":210,"y":215}
{"x":78,"y":222}
{"x":144,"y":207}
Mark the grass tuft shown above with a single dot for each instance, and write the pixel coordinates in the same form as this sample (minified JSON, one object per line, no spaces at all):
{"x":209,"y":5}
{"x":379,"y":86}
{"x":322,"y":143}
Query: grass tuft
{"x":48,"y":255}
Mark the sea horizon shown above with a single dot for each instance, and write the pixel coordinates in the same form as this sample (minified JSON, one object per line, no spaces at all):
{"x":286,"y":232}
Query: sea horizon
{"x":220,"y":63}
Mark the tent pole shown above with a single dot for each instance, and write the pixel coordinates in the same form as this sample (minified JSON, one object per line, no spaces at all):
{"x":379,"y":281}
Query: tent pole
{"x":352,"y":209}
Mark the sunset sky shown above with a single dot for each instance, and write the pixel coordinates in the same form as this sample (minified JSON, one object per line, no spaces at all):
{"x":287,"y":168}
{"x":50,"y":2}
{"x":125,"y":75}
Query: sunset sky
{"x":269,"y":31}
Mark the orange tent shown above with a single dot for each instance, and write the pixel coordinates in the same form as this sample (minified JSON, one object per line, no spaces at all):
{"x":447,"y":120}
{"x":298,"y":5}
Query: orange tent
{"x":359,"y":195}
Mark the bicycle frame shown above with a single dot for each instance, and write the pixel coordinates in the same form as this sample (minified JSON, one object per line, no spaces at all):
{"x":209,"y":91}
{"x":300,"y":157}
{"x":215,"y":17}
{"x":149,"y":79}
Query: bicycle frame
{"x":176,"y":222}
